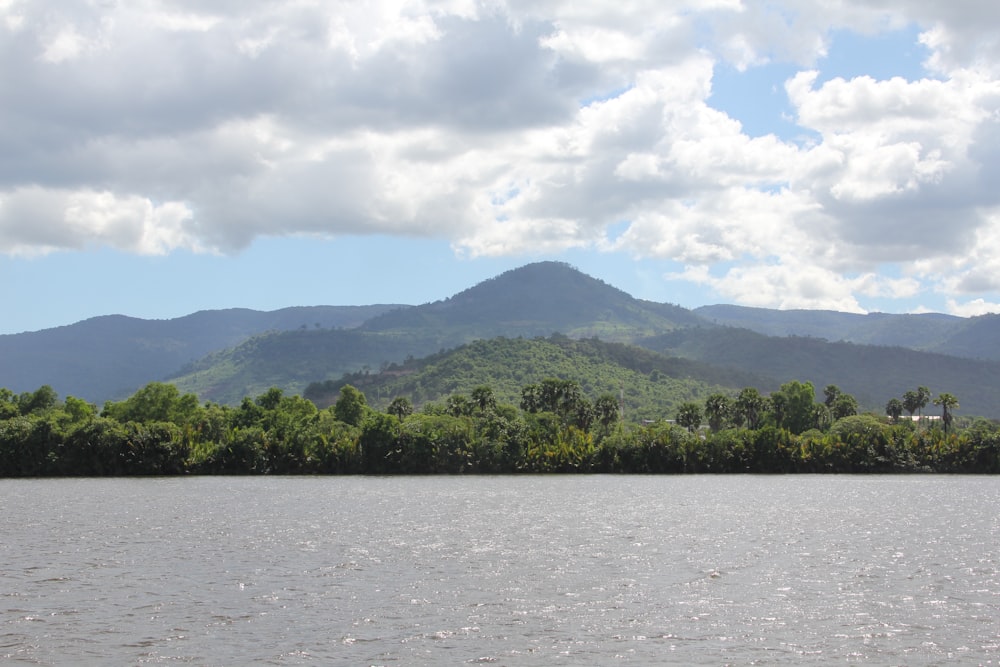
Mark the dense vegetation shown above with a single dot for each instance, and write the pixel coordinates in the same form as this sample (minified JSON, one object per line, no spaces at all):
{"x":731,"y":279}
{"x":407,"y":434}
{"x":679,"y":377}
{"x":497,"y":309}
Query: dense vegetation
{"x":651,"y":384}
{"x":869,"y":372}
{"x":554,"y":427}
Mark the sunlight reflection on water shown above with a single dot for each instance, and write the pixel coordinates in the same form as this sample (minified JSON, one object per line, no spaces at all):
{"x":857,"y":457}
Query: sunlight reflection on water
{"x":503,"y":570}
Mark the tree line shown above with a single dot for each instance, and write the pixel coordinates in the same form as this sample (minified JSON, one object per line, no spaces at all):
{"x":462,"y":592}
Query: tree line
{"x":554,"y":428}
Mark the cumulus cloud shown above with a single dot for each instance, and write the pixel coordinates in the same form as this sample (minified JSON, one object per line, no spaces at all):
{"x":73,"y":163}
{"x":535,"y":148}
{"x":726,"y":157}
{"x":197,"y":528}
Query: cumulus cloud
{"x":510,"y":128}
{"x":34,"y":220}
{"x":972,"y":308}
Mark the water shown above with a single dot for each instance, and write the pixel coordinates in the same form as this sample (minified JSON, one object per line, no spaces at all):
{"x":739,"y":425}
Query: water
{"x":581,"y":570}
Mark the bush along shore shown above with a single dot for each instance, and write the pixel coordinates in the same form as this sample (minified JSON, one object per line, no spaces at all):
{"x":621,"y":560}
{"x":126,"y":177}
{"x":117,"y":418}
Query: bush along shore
{"x":554,"y":429}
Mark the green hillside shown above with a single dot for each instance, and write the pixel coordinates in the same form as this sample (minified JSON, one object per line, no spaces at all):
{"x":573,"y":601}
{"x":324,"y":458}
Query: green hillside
{"x":111,"y":356}
{"x":873,"y":374}
{"x":543,"y":299}
{"x":291,"y":360}
{"x":972,"y":338}
{"x":653,"y":385}
{"x":975,"y":338}
{"x":535,"y":300}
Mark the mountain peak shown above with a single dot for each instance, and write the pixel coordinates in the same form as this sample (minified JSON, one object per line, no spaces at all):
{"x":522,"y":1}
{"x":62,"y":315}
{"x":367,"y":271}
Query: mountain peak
{"x":535,"y":288}
{"x":536,"y":300}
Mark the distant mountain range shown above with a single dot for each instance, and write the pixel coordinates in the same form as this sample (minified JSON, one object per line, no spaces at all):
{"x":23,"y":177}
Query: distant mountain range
{"x":973,"y":338}
{"x":111,"y":356}
{"x":227,"y":354}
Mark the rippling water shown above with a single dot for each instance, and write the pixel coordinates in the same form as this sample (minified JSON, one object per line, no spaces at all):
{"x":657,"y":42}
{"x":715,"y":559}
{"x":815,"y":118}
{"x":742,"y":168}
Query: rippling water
{"x":575,"y":570}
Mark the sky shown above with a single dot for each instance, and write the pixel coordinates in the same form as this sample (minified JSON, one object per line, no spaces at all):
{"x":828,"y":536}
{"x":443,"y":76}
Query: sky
{"x":161,"y":157}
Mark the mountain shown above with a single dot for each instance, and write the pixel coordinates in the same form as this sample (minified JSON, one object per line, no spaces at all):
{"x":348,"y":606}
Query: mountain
{"x":546,"y":298}
{"x":873,"y":374}
{"x":534,"y":300}
{"x":112,"y":356}
{"x":973,"y":338}
{"x":225,"y":355}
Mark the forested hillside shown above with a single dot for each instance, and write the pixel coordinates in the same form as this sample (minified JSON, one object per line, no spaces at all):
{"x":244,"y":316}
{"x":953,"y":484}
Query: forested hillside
{"x":112,"y":356}
{"x":871,"y":373}
{"x":972,"y":338}
{"x":293,"y":359}
{"x":651,"y":385}
{"x":535,"y":300}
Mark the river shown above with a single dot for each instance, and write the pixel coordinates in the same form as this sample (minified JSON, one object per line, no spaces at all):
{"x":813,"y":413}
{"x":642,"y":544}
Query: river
{"x":522,"y":570}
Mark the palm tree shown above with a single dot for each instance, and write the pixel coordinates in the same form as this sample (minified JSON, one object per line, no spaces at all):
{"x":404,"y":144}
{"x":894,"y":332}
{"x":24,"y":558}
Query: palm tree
{"x":459,"y":405}
{"x":894,"y":408}
{"x":400,"y":407}
{"x":717,"y":410}
{"x":948,"y":402}
{"x":911,"y":402}
{"x":531,"y":398}
{"x":749,"y":406}
{"x":689,"y":416}
{"x":830,"y":395}
{"x":923,"y":395}
{"x":606,"y":410}
{"x":484,"y":398}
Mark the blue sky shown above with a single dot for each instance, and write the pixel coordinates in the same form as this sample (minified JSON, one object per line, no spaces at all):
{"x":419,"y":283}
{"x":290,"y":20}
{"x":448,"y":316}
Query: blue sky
{"x":157,"y":159}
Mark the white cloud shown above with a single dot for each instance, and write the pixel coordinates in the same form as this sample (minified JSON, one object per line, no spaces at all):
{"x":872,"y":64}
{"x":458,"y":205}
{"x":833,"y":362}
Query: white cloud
{"x":509,"y":128}
{"x":784,"y":285}
{"x":972,"y":308}
{"x":66,"y":44}
{"x":37,"y":221}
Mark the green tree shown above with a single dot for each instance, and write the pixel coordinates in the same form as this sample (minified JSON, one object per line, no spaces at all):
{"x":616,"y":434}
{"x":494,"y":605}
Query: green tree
{"x":484,"y":398}
{"x":911,"y":402}
{"x":156,"y":402}
{"x":948,"y":402}
{"x":894,"y":408}
{"x":749,"y":407}
{"x":378,"y":443}
{"x":78,"y":409}
{"x":830,"y":395}
{"x":844,"y":405}
{"x":777,"y":405}
{"x":606,"y":410}
{"x":459,"y":405}
{"x":923,"y":396}
{"x":40,"y":400}
{"x":400,"y":408}
{"x":558,"y":396}
{"x":580,"y":414}
{"x":531,"y":399}
{"x":718,"y":408}
{"x":689,"y":416}
{"x":795,"y":402}
{"x":352,"y":406}
{"x":8,"y":404}
{"x":270,"y":399}
{"x":100,"y":446}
